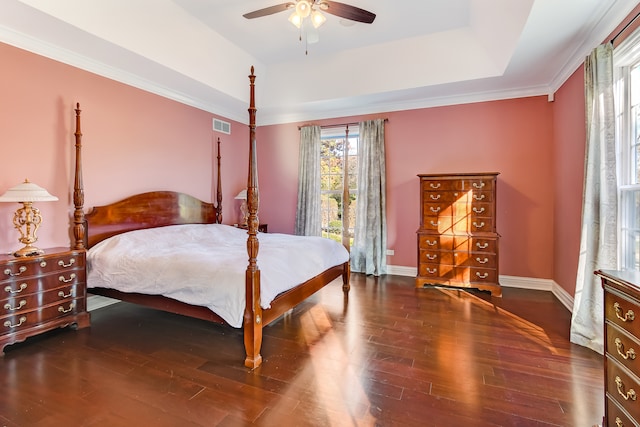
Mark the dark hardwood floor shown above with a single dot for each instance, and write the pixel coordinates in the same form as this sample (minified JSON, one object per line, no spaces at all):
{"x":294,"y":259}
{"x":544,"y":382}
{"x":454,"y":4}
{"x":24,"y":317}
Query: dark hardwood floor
{"x":389,"y":356}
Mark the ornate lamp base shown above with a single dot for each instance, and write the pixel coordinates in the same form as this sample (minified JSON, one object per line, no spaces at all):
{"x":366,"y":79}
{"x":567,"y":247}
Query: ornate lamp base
{"x":28,"y":251}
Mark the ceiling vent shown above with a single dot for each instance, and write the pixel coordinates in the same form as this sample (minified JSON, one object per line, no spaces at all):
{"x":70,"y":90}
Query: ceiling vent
{"x":220,"y":126}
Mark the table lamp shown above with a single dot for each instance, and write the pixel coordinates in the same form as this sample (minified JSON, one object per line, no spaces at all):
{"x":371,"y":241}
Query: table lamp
{"x":27,"y":219}
{"x":244,"y":214}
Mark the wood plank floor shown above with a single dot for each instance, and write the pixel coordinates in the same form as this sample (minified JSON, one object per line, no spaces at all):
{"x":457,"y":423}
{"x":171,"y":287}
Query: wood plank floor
{"x":390,"y":355}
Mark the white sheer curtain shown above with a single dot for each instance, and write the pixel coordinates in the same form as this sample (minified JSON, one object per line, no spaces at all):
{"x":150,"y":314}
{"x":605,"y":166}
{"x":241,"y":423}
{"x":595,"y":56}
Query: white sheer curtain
{"x":308,"y":209}
{"x":368,"y":253}
{"x":598,"y":244}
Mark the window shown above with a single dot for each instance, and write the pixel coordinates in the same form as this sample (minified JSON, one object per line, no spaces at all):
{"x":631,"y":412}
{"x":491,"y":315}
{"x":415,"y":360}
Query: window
{"x":627,"y":94}
{"x":339,"y":152}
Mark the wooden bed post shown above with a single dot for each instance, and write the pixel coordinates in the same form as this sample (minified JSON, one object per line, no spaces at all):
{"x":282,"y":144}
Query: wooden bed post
{"x":219,"y":190}
{"x":78,"y":192}
{"x":253,"y":311}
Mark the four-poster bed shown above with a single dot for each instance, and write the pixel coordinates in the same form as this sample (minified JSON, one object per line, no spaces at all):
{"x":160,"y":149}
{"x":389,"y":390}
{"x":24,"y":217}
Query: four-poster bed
{"x":138,"y":216}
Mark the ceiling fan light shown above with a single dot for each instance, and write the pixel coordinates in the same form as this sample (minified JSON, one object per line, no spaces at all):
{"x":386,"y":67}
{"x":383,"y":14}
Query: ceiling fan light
{"x":295,"y":19}
{"x":317,"y":19}
{"x":303,"y":8}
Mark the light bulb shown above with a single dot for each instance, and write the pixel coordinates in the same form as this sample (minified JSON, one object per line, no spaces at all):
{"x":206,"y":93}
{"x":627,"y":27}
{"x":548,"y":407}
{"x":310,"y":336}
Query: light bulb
{"x":317,"y":19}
{"x":303,"y":8}
{"x":295,"y":19}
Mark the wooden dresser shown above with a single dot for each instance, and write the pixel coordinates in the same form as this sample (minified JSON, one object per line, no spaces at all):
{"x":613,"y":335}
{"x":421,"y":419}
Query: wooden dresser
{"x":457,"y":238}
{"x":41,"y":293}
{"x":621,"y":347}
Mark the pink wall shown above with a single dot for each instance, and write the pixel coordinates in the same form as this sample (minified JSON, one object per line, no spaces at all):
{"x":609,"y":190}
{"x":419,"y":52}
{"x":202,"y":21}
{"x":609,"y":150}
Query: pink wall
{"x":134,"y":141}
{"x":513,"y":137}
{"x":568,"y":154}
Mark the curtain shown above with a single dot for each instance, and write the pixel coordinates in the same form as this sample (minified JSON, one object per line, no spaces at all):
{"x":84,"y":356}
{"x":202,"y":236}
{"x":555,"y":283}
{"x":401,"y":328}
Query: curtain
{"x":308,"y":208}
{"x":368,"y":253}
{"x":599,"y":241}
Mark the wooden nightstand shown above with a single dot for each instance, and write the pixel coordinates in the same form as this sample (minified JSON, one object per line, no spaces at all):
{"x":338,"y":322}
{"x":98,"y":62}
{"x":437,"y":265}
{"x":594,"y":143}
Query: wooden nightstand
{"x":261,"y":227}
{"x":41,"y":293}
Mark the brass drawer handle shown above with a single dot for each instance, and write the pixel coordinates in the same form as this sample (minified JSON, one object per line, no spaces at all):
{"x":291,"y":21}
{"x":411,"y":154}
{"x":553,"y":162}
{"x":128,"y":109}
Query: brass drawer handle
{"x":22,"y":287}
{"x":62,"y":310}
{"x":434,"y":196}
{"x":431,"y":257}
{"x":21,"y":270}
{"x":434,"y":186}
{"x":21,"y":304}
{"x":631,"y":394}
{"x":482,"y":276}
{"x":629,"y":354}
{"x":482,"y":261}
{"x":71,"y":277}
{"x":62,"y":294}
{"x":478,"y":211}
{"x":478,"y":186}
{"x":431,"y":270}
{"x":434,"y":210}
{"x":480,"y":197}
{"x":71,"y":262}
{"x":435,"y":224}
{"x":8,"y":324}
{"x":627,"y":317}
{"x":478,"y":225}
{"x":432,"y":243}
{"x":482,"y":245}
{"x":619,"y":422}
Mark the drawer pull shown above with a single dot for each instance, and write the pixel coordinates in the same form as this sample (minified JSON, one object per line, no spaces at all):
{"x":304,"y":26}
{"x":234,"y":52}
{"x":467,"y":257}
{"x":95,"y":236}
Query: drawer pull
{"x":482,"y":261}
{"x":62,"y":310}
{"x":17,"y":291}
{"x":629,"y":354}
{"x":434,"y":186}
{"x":435,"y":223}
{"x":62,"y":294}
{"x":619,"y":422}
{"x":8,"y":324}
{"x":432,"y":243}
{"x":629,"y":316}
{"x":480,"y":197}
{"x":478,"y":211}
{"x":71,"y":262}
{"x":631,"y":394}
{"x":478,"y":225}
{"x":434,"y":196}
{"x":71,"y":277}
{"x":431,"y":256}
{"x":21,"y":304}
{"x":478,"y":186}
{"x":431,"y":270}
{"x":435,"y":210}
{"x":21,"y":270}
{"x":482,"y":245}
{"x":482,"y":276}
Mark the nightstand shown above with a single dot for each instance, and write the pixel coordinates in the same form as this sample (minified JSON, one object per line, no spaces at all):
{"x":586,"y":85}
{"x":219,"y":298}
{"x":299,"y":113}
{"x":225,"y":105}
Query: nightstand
{"x":261,"y":227}
{"x":41,"y":293}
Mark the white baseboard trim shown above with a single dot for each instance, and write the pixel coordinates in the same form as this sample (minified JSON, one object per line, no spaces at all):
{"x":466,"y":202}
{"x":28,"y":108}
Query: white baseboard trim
{"x":95,"y":302}
{"x":508,"y":281}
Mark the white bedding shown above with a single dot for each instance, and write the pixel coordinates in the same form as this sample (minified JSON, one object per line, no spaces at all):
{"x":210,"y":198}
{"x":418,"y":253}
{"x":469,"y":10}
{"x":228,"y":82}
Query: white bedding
{"x":205,"y":264}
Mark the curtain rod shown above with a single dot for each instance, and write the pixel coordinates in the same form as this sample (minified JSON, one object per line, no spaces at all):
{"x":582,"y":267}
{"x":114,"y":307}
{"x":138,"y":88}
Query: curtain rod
{"x":337,"y":125}
{"x":613,"y":39}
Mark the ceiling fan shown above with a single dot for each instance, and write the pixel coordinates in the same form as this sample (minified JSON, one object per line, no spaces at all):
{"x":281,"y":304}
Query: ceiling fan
{"x":304,"y":8}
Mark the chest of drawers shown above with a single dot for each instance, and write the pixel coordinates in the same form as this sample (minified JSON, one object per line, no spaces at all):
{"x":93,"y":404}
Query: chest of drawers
{"x":621,"y":347}
{"x":457,"y":238}
{"x":41,"y":293}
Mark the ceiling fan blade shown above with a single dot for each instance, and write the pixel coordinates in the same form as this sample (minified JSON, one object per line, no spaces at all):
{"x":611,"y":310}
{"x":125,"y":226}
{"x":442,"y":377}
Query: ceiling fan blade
{"x":269,"y":10}
{"x":348,"y":12}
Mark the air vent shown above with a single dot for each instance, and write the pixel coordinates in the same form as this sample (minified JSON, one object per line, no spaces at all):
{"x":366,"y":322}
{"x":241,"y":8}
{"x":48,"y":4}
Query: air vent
{"x":220,"y":126}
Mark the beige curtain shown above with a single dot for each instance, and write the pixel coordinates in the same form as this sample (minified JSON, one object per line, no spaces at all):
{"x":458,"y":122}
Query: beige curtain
{"x":599,"y":242}
{"x":308,"y":221}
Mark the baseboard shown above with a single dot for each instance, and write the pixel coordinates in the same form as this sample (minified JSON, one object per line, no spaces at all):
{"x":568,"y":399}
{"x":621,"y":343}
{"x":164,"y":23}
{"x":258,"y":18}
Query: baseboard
{"x":95,"y":302}
{"x":508,"y":281}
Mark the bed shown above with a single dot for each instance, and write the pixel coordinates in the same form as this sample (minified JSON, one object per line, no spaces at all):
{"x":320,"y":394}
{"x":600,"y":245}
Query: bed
{"x":138,"y":220}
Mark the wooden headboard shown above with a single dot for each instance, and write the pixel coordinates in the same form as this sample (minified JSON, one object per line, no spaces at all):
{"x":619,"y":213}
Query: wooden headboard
{"x":146,"y":210}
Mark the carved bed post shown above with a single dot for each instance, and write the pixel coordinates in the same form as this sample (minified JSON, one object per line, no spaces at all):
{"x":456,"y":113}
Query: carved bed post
{"x":219,"y":190}
{"x":253,"y":311}
{"x":78,"y":191}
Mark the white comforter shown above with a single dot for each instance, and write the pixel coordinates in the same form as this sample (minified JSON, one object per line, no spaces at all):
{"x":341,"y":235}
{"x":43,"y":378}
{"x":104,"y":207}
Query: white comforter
{"x":205,"y":264}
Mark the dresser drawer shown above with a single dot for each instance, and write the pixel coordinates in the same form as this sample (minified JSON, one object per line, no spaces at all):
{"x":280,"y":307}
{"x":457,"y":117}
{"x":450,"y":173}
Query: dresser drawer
{"x":468,"y":259}
{"x":17,"y":322}
{"x":622,"y":347}
{"x":437,"y":185}
{"x":22,"y":268}
{"x":34,"y":285}
{"x":616,"y":417}
{"x":19,"y":304}
{"x":623,"y":388}
{"x":435,"y":241}
{"x":622,"y":311}
{"x":472,"y":243}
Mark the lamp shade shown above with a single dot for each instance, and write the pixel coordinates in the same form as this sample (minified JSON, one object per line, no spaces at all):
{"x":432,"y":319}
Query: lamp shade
{"x":27,"y":192}
{"x":242,"y":195}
